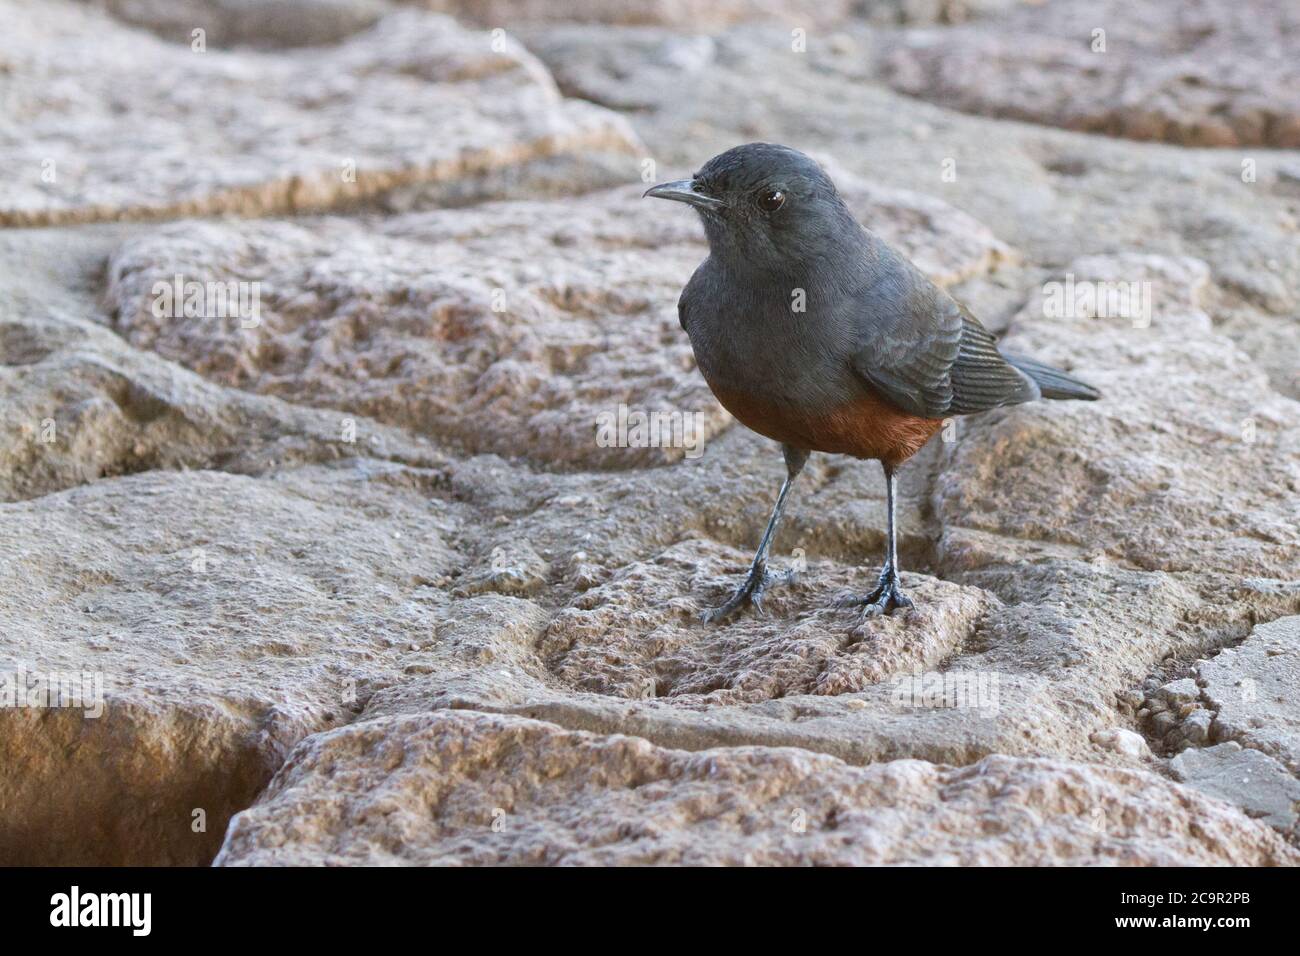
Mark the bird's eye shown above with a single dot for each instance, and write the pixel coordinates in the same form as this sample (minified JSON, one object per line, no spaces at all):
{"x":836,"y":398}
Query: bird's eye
{"x":770,"y":200}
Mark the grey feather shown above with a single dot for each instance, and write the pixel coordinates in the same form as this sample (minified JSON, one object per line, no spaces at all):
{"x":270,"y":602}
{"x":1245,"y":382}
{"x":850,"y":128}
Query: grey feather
{"x":927,"y":354}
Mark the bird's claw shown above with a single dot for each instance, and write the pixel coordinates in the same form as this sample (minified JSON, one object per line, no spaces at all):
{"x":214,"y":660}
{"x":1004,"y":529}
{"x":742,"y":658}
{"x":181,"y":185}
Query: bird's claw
{"x":751,"y":592}
{"x":885,"y":599}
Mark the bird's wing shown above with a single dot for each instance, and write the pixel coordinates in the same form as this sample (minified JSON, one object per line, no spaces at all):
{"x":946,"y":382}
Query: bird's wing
{"x":925,"y":352}
{"x":982,"y":378}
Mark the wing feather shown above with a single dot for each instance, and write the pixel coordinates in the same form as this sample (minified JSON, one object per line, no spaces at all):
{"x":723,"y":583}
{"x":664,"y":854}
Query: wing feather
{"x":927,"y":354}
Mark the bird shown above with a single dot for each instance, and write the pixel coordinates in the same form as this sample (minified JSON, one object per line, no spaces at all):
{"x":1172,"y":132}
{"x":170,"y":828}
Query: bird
{"x":813,"y":331}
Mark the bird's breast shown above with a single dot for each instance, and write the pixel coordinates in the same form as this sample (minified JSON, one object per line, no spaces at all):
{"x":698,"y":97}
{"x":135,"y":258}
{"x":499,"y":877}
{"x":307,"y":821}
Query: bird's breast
{"x":784,"y":358}
{"x":794,"y":383}
{"x":864,"y":426}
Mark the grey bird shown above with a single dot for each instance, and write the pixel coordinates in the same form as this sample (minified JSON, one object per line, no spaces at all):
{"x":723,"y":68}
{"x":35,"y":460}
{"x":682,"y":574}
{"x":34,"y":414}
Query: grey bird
{"x":814,"y":332}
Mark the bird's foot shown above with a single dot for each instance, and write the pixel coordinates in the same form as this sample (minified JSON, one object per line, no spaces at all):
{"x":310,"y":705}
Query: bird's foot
{"x":751,"y":592}
{"x":885,"y":599}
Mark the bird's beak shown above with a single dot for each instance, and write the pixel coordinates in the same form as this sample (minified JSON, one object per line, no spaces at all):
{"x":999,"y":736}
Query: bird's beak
{"x":685,"y":190}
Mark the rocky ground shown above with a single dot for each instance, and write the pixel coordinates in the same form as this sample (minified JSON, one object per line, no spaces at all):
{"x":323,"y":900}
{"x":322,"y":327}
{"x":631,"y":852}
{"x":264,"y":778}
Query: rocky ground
{"x":362,"y":585}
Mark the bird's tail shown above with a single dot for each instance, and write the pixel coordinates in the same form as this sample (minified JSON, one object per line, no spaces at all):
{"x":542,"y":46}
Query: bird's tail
{"x":1052,"y":382}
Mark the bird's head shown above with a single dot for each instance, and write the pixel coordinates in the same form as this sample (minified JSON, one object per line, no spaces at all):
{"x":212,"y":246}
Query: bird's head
{"x":765,"y":207}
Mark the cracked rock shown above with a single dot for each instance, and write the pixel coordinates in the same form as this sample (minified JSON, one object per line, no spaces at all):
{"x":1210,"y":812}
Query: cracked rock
{"x":1122,"y":741}
{"x":1179,"y":692}
{"x":226,"y":23}
{"x":513,"y":568}
{"x":468,"y":788}
{"x":160,"y":128}
{"x":1254,"y":689}
{"x":639,"y":636}
{"x":1200,"y":74}
{"x":230,"y":617}
{"x":1252,"y":780}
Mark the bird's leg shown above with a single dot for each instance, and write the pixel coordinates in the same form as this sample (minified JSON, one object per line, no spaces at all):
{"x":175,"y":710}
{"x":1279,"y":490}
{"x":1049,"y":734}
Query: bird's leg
{"x":888,"y":594}
{"x":760,"y":578}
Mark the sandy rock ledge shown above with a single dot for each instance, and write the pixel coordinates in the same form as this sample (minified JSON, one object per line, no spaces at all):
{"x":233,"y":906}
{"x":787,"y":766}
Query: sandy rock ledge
{"x":470,"y":788}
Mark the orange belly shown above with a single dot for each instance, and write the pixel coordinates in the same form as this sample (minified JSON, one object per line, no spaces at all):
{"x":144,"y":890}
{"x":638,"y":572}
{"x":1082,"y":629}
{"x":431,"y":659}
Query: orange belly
{"x":868,"y":427}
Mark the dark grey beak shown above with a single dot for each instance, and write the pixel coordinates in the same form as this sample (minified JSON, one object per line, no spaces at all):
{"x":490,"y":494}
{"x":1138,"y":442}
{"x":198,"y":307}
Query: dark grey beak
{"x":684,"y":190}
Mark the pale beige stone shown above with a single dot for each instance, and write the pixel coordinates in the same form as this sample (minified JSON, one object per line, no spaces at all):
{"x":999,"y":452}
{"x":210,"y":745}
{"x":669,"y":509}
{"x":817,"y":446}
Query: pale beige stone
{"x":223,"y":618}
{"x":639,"y":635}
{"x":471,"y":789}
{"x":226,"y":23}
{"x":1200,"y":73}
{"x":105,"y":122}
{"x":1254,"y":691}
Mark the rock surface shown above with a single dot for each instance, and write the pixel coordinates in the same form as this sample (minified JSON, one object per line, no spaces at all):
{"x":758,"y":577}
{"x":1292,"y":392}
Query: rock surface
{"x":230,"y":617}
{"x":227,"y":23}
{"x":1199,"y":73}
{"x":1248,"y":778}
{"x":1254,"y":691}
{"x":692,"y":15}
{"x":102,"y":122}
{"x":372,"y":522}
{"x":472,"y":789}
